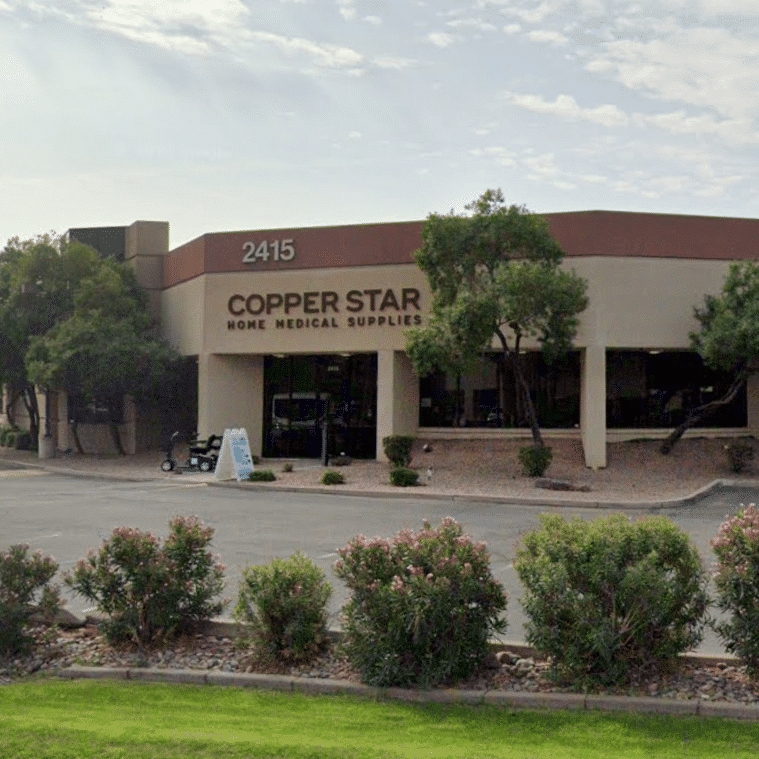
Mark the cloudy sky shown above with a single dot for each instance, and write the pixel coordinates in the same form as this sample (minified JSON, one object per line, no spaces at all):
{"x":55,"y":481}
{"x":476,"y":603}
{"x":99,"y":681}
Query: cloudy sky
{"x":243,"y":114}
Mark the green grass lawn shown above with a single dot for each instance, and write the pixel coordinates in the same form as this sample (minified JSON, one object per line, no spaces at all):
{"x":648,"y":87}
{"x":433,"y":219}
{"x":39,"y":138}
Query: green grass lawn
{"x":110,"y":720}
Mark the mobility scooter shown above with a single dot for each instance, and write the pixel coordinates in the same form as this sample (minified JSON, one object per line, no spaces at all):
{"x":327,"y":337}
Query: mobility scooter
{"x":202,"y":457}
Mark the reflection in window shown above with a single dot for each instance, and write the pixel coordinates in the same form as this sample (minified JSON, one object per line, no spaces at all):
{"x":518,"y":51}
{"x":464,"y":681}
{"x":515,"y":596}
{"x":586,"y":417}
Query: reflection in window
{"x":488,"y":397}
{"x":653,"y":389}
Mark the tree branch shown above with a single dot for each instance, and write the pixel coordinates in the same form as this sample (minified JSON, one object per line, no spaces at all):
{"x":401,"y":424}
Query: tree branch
{"x":703,"y":411}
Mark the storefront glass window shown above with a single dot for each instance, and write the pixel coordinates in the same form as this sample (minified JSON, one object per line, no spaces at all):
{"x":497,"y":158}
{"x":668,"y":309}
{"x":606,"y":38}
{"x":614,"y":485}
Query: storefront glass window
{"x":487,"y":397}
{"x":657,"y":389}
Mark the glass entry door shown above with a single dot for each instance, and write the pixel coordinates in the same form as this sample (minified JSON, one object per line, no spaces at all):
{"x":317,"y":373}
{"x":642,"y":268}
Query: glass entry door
{"x":304,"y":392}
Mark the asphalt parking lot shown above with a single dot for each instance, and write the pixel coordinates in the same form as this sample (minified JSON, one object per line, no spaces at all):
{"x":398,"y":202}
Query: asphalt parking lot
{"x":66,"y":516}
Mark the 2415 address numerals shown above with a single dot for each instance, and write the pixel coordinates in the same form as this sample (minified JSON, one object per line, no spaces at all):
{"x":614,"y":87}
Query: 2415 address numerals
{"x":279,"y":250}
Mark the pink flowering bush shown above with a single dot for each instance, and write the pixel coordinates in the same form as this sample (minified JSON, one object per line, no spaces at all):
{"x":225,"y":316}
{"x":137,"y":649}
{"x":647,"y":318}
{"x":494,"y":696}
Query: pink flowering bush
{"x":423,"y":607}
{"x":737,"y":581}
{"x":151,"y":591}
{"x":24,"y":592}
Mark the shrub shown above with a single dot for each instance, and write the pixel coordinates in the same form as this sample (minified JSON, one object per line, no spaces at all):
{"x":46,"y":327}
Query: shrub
{"x":285,"y":605}
{"x":24,"y":594}
{"x":739,"y":453}
{"x":5,"y":429}
{"x":607,"y":597}
{"x":150,"y":591}
{"x":535,"y":459}
{"x":10,"y":438}
{"x":333,"y":478}
{"x":23,"y":441}
{"x":423,"y":606}
{"x":402,"y":477}
{"x":736,"y":548}
{"x":398,"y":449}
{"x":262,"y":475}
{"x":287,"y":467}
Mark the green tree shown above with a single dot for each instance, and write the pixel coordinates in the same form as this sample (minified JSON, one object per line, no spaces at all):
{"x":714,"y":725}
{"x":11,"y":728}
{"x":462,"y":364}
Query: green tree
{"x":38,"y":278}
{"x":105,"y":349}
{"x":494,"y":274}
{"x":727,"y":340}
{"x":71,"y":320}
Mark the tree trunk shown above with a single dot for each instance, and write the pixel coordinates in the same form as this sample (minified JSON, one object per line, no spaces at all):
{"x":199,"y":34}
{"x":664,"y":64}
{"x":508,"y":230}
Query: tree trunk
{"x":702,"y":412}
{"x":521,"y":384}
{"x":30,"y":401}
{"x":10,"y":408}
{"x":75,"y":434}
{"x":537,"y":438}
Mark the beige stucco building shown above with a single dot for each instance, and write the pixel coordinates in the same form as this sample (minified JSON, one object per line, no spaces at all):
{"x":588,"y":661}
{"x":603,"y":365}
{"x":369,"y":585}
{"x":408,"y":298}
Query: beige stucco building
{"x":286,"y":323}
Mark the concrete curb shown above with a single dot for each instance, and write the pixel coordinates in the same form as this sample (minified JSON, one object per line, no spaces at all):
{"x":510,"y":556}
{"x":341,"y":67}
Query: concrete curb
{"x":504,"y":699}
{"x":65,"y":472}
{"x":544,"y":502}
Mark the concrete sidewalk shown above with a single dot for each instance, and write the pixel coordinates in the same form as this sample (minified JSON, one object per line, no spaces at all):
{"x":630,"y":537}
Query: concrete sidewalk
{"x":145,"y":467}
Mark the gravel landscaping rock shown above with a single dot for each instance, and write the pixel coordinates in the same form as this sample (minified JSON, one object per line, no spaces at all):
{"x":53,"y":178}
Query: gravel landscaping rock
{"x":504,"y":671}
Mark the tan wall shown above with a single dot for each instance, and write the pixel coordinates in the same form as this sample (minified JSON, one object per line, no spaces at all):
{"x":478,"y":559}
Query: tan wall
{"x":633,"y":303}
{"x":644,"y":302}
{"x":230,"y":396}
{"x":397,"y":397}
{"x":336,"y":334}
{"x":182,"y":316}
{"x":147,"y":243}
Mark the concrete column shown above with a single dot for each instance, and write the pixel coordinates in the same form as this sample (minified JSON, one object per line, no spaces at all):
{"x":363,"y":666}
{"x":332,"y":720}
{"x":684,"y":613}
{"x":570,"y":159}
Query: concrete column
{"x":231,"y":395}
{"x":147,"y":242}
{"x":6,"y":399}
{"x":593,"y":405}
{"x":397,"y":397}
{"x":65,"y":441}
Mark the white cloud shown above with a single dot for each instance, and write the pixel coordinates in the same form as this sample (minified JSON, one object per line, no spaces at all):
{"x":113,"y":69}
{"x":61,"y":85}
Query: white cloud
{"x":546,"y":36}
{"x":389,"y":62}
{"x":139,"y":13}
{"x":203,"y":27}
{"x":535,"y":15}
{"x":566,"y":106}
{"x":502,"y":156}
{"x":541,"y":165}
{"x":441,"y":39}
{"x":712,"y":68}
{"x":347,"y":9}
{"x":325,"y":55}
{"x":728,"y":7}
{"x":738,"y":131}
{"x":512,"y":28}
{"x":594,"y":178}
{"x":474,"y":23}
